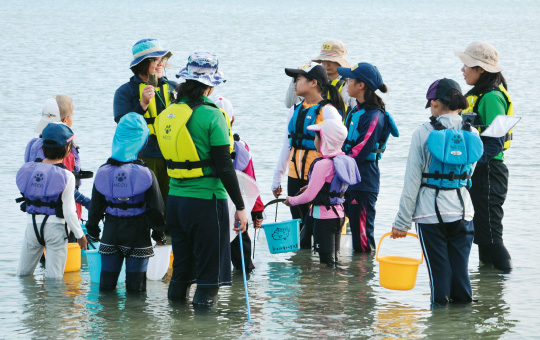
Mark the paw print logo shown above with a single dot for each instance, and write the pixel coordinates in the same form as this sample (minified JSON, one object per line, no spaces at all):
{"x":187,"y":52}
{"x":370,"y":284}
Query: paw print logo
{"x":167,"y":129}
{"x":120,"y":177}
{"x":38,"y":177}
{"x":456,"y":139}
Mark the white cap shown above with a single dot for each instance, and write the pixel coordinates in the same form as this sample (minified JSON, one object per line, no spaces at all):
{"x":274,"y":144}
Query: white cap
{"x":224,"y":104}
{"x":49,"y":114}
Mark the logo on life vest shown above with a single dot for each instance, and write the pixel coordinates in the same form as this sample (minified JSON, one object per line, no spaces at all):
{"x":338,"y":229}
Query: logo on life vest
{"x":120,"y":177}
{"x":38,"y":178}
{"x":170,"y":115}
{"x":458,"y":145}
{"x":456,"y":153}
{"x":308,"y":117}
{"x":167,"y":129}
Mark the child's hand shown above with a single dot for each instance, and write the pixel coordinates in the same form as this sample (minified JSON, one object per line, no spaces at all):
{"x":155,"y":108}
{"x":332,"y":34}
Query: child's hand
{"x":277,"y":192}
{"x":286,"y":202}
{"x":396,"y":233}
{"x":83,"y":243}
{"x":302,"y":189}
{"x":257,"y":223}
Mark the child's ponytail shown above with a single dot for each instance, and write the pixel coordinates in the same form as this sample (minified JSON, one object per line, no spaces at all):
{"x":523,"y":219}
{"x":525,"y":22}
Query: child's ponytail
{"x":333,"y":95}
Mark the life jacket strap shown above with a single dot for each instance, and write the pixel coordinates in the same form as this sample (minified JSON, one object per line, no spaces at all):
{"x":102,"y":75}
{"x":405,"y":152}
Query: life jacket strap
{"x":187,"y":165}
{"x":40,"y":237}
{"x":150,"y":120}
{"x":451,"y":176}
{"x":125,"y":205}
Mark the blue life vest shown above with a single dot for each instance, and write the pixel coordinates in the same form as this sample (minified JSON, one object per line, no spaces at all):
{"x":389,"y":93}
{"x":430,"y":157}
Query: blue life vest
{"x":453,"y":151}
{"x":352,"y":123}
{"x":124,"y":188}
{"x":242,"y":156}
{"x":41,"y":186}
{"x":299,"y":136}
{"x":333,"y":193}
{"x":36,"y":151}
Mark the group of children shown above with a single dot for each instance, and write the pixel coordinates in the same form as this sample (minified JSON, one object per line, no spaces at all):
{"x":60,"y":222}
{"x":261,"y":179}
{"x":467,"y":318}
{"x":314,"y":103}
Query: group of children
{"x":336,"y":133}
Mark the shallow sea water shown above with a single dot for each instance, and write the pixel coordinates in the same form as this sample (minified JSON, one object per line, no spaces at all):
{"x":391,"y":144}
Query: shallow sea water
{"x":83,"y":49}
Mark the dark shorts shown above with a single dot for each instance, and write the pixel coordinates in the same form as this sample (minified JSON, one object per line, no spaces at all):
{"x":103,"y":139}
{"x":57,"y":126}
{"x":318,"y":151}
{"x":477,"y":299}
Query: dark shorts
{"x":200,"y":240}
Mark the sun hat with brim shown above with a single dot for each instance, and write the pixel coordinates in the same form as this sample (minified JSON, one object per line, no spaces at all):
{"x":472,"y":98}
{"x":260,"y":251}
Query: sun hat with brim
{"x":130,"y":137}
{"x":202,"y":67}
{"x":56,"y":135}
{"x":333,"y":50}
{"x":481,"y":54}
{"x":365,"y":72}
{"x":49,"y":114}
{"x":311,"y":71}
{"x":148,"y":48}
{"x":333,"y":134}
{"x":439,"y":90}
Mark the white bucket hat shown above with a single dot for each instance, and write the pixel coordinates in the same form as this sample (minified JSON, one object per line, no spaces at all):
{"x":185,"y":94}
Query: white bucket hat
{"x":481,"y":54}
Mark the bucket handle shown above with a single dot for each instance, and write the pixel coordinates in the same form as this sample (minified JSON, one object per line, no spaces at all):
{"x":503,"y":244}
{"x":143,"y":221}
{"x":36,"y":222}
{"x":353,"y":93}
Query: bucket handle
{"x":390,"y":233}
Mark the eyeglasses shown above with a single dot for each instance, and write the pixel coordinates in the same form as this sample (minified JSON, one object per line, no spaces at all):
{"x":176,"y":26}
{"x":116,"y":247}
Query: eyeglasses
{"x":160,"y":61}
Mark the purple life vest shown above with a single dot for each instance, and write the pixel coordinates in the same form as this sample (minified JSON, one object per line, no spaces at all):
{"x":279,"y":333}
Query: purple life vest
{"x":36,"y":151}
{"x":242,"y":158}
{"x":41,"y":186}
{"x":333,"y":193}
{"x":124,"y":188}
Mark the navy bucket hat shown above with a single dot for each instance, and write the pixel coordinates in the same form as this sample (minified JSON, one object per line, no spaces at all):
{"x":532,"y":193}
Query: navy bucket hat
{"x":130,"y":137}
{"x":148,"y":48}
{"x":365,"y":72}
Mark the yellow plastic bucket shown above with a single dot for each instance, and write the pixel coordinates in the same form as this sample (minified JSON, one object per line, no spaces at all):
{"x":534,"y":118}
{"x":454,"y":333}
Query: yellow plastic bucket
{"x":73,"y":259}
{"x":397,"y":272}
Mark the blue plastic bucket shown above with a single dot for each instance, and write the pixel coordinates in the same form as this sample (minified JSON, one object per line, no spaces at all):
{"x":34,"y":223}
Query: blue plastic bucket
{"x":283,"y":237}
{"x":93,"y":258}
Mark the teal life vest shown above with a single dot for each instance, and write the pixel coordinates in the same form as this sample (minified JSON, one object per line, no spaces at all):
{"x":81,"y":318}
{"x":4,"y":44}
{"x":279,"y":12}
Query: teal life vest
{"x":299,"y":136}
{"x":453,"y":151}
{"x":352,"y":123}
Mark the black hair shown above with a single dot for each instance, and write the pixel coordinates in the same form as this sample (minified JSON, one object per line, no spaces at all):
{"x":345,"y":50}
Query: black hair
{"x":332,"y":93}
{"x":372,"y":99}
{"x":142,"y":67}
{"x":193,"y":89}
{"x":487,"y":80}
{"x":56,"y":153}
{"x":457,"y":101}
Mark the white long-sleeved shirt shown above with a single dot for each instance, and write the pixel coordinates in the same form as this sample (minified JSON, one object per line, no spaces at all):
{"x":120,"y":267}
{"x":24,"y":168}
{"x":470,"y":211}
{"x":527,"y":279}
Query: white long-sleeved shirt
{"x":328,"y":112}
{"x":68,"y":208}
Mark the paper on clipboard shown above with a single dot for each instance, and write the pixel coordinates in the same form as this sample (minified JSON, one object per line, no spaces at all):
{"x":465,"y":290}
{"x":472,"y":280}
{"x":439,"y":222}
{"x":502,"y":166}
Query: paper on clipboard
{"x":500,"y":126}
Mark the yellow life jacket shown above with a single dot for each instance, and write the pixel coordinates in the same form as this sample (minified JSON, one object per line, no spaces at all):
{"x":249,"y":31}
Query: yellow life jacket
{"x":231,"y":138}
{"x":474,"y":102}
{"x":339,"y":83}
{"x":151,"y":112}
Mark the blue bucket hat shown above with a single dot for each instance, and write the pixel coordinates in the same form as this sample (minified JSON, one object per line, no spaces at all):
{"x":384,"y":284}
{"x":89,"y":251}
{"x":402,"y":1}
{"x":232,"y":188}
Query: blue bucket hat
{"x":130,"y":137}
{"x":148,"y":48}
{"x":56,"y":135}
{"x":202,"y":67}
{"x":365,"y":72}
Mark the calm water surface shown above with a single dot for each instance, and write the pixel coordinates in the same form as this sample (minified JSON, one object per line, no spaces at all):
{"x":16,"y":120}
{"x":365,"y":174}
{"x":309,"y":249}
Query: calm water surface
{"x":83,"y":49}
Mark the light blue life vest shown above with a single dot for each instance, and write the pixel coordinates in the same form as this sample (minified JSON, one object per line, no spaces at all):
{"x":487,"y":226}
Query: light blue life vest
{"x":124,"y":188}
{"x":352,"y":124}
{"x":300,"y":138}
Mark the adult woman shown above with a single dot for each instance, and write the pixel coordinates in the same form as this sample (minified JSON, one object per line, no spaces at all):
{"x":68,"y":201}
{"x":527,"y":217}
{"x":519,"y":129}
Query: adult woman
{"x":137,"y":95}
{"x":369,"y":126}
{"x":298,"y":150}
{"x":488,"y":98}
{"x":194,"y":138}
{"x":435,"y":192}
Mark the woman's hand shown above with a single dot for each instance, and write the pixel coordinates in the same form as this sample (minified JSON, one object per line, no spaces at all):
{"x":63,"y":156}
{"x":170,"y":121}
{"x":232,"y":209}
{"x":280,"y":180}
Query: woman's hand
{"x":277,"y":192}
{"x":302,"y":189}
{"x":83,"y":243}
{"x":396,"y":233}
{"x":240,"y":216}
{"x":147,"y":95}
{"x":286,"y":202}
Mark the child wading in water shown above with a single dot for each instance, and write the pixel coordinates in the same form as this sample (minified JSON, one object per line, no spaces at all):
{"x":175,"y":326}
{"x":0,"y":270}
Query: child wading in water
{"x":329,"y":178}
{"x":127,"y":192}
{"x":436,"y":196}
{"x":48,"y":190}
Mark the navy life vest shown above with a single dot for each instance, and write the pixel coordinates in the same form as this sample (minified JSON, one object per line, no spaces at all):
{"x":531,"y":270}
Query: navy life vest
{"x":352,"y":123}
{"x":453,"y":151}
{"x":124,"y":186}
{"x":333,"y":193}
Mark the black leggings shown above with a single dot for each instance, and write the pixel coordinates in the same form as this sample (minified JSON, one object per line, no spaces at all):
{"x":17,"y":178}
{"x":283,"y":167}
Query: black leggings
{"x":327,"y":236}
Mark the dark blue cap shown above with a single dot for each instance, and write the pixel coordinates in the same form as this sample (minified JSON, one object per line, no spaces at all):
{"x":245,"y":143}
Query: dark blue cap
{"x":365,"y":72}
{"x":56,"y":135}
